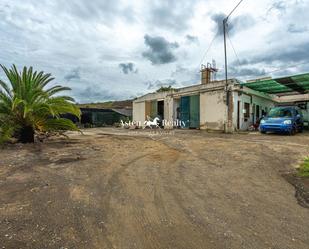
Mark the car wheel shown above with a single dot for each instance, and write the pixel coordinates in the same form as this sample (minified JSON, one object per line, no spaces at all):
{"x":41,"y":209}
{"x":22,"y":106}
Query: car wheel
{"x":301,"y":129}
{"x":293,"y":131}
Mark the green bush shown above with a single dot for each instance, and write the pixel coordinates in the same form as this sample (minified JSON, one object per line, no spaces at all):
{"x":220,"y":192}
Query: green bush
{"x":304,"y":168}
{"x":6,"y":133}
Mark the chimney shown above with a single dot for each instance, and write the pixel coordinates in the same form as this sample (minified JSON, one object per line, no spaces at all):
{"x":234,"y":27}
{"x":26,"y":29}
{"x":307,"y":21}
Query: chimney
{"x":207,"y":73}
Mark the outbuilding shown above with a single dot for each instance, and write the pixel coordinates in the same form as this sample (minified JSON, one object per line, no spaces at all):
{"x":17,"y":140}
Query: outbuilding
{"x":214,"y":105}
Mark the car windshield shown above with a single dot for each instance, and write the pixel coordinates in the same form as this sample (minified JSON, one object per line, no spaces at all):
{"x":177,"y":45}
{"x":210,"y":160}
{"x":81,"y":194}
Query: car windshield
{"x":280,"y":113}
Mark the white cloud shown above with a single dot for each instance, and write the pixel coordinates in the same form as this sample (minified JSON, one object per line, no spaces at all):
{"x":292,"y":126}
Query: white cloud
{"x":86,"y":41}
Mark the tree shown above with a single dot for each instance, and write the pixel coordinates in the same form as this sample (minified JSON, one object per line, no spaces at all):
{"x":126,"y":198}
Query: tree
{"x":165,"y":89}
{"x":27,"y":105}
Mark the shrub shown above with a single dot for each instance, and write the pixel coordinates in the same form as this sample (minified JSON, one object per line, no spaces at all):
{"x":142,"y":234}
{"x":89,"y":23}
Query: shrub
{"x":304,"y":168}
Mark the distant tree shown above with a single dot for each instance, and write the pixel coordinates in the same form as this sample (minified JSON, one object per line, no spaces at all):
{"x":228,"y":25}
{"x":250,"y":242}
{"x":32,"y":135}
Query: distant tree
{"x":27,"y":105}
{"x":164,"y":89}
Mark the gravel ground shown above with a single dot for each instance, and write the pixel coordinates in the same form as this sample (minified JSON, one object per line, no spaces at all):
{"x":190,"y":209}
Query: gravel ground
{"x":114,"y":188}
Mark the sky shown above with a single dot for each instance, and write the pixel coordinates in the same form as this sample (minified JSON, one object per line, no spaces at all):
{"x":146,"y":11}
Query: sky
{"x":113,"y":50}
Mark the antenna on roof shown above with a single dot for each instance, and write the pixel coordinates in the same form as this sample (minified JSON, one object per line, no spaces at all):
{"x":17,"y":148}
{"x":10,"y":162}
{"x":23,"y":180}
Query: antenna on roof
{"x":208,"y":72}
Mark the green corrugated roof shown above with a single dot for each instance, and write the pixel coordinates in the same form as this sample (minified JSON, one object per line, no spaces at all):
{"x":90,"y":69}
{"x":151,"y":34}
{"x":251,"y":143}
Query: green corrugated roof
{"x":295,"y":83}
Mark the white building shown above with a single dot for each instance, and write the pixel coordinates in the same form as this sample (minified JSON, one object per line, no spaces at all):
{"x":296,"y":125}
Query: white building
{"x":205,"y":106}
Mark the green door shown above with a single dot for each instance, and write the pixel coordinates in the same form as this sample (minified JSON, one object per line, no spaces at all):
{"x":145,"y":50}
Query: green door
{"x":195,"y":111}
{"x":185,"y":110}
{"x":154,"y":109}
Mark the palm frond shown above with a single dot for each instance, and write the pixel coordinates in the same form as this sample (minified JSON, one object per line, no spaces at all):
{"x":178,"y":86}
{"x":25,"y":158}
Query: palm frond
{"x":25,"y":101}
{"x":5,"y":88}
{"x":57,"y":124}
{"x":56,"y":89}
{"x":60,"y":105}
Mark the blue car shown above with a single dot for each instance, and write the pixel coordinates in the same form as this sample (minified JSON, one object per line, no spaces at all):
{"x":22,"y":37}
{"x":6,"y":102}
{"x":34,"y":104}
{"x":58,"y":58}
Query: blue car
{"x":283,"y":119}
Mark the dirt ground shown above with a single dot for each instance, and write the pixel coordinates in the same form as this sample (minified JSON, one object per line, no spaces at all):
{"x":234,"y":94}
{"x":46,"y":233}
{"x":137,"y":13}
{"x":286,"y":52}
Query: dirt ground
{"x":113,"y":188}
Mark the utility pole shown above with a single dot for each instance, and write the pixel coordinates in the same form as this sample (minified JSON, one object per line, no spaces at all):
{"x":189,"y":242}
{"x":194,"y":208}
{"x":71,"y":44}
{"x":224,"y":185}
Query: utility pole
{"x":228,"y":128}
{"x":225,"y":60}
{"x":228,"y":92}
{"x":225,"y":23}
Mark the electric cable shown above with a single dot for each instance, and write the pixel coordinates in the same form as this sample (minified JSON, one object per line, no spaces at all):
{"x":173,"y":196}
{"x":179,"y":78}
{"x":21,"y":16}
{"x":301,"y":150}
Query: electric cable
{"x":228,"y":36}
{"x":269,"y":72}
{"x":287,"y":67}
{"x":207,"y":50}
{"x":233,"y":10}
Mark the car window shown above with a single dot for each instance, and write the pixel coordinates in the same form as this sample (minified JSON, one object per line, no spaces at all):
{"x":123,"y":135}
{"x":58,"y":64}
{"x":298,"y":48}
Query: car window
{"x":280,"y":113}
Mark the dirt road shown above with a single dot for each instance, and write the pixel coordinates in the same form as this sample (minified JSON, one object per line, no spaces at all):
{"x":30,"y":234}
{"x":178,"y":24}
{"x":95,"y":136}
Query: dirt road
{"x":125,"y":189}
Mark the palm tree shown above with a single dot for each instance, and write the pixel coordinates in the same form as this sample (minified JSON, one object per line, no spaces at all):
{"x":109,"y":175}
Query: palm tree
{"x":27,"y":105}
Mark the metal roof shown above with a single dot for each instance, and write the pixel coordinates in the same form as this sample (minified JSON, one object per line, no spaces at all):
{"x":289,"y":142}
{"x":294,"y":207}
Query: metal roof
{"x":295,"y":83}
{"x":123,"y":111}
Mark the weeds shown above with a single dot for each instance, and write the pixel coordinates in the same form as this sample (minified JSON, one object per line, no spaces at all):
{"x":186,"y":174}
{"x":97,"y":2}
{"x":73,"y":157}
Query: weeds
{"x":304,"y":168}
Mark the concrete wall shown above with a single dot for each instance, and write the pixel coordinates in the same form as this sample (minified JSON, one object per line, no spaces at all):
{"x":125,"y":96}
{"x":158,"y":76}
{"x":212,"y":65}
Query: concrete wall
{"x":175,"y":106}
{"x":168,"y":111}
{"x":293,"y":98}
{"x":139,"y":111}
{"x":213,"y":110}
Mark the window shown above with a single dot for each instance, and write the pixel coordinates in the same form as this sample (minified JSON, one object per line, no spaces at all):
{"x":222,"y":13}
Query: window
{"x":247,"y":110}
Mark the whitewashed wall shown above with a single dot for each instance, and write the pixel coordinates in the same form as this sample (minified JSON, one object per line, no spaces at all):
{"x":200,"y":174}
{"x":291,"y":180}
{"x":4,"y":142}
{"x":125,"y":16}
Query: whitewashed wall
{"x":213,"y":110}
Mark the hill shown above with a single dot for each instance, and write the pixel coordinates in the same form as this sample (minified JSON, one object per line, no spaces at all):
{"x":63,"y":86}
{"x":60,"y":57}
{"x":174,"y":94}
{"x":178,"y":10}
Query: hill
{"x":123,"y":104}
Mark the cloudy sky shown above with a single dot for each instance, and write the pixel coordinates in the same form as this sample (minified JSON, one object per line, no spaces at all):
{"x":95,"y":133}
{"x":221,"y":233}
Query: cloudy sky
{"x":119,"y":49}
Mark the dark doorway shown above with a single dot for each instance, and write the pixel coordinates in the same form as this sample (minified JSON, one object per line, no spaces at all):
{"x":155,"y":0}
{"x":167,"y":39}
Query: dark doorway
{"x":257,"y":112}
{"x":86,"y":118}
{"x":247,"y":112}
{"x":161,"y":109}
{"x":238,"y":115}
{"x":253,"y":114}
